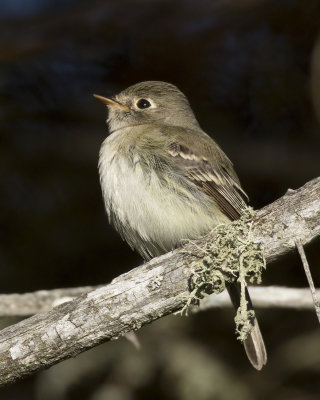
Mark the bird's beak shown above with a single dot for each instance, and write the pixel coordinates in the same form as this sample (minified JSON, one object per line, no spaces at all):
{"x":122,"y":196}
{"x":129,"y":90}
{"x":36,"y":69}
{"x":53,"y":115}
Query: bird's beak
{"x":110,"y":102}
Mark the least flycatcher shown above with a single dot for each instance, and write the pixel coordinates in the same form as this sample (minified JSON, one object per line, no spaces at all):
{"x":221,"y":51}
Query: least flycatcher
{"x":164,"y":179}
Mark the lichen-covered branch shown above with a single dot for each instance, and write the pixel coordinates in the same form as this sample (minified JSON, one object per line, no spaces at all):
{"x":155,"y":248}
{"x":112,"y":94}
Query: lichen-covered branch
{"x":146,"y":293}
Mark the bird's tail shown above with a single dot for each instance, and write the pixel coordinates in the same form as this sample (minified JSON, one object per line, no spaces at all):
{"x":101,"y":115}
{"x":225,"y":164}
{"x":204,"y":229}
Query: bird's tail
{"x":254,"y":344}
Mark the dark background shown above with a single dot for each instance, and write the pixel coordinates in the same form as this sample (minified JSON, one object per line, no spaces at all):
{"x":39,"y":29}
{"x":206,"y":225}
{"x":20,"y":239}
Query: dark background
{"x":251,"y":70}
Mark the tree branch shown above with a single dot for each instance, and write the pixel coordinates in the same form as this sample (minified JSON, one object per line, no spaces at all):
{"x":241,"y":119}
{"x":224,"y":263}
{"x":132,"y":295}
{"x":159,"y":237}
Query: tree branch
{"x":307,"y":271}
{"x":146,"y":293}
{"x":27,"y":304}
{"x":265,"y":297}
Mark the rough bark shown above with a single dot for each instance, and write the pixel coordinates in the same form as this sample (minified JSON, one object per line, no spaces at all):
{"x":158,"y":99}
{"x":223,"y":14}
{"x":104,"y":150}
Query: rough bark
{"x":144,"y":294}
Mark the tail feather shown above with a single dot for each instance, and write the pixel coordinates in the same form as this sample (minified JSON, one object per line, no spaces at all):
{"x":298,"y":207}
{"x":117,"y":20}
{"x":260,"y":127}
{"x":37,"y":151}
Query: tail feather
{"x":255,"y":348}
{"x":254,"y":344}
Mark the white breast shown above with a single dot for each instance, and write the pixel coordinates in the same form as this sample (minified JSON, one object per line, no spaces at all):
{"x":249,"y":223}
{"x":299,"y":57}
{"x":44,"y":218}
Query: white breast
{"x":144,"y":210}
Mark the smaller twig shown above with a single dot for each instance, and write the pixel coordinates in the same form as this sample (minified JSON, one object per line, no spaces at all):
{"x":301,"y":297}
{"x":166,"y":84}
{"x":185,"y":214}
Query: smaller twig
{"x":23,"y":305}
{"x":264,"y":297}
{"x":307,"y":271}
{"x":133,"y":338}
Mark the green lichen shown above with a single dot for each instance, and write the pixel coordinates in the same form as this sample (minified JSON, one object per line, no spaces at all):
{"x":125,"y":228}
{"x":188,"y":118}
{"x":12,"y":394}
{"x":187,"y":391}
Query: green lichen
{"x":233,"y":255}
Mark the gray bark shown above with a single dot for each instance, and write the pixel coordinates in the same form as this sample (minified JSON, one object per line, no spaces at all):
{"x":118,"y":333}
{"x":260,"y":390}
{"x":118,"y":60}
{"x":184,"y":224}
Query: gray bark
{"x":144,"y":294}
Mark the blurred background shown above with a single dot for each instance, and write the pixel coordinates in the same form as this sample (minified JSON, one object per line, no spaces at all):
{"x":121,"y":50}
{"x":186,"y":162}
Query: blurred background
{"x":251,"y":70}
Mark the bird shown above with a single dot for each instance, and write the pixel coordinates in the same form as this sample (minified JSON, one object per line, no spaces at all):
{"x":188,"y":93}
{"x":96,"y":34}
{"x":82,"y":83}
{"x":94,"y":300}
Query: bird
{"x":165,"y":180}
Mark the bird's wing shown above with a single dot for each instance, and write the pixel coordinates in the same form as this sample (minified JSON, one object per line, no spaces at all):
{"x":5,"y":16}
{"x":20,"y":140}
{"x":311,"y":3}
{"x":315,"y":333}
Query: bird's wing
{"x":213,"y":178}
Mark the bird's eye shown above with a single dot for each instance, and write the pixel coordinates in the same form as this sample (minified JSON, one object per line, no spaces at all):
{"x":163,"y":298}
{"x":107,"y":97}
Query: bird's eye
{"x":143,"y":103}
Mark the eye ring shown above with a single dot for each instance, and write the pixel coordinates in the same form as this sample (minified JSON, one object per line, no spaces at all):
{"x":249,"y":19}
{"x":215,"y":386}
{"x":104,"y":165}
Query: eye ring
{"x":143,"y":104}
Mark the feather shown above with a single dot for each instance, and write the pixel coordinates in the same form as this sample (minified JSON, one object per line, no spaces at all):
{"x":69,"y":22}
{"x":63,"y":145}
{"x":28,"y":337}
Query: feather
{"x":213,"y":180}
